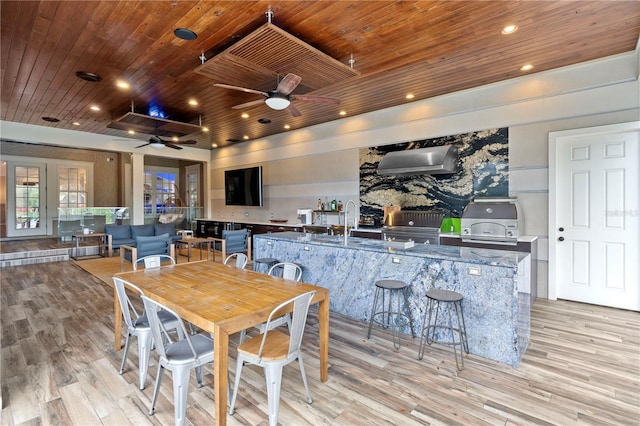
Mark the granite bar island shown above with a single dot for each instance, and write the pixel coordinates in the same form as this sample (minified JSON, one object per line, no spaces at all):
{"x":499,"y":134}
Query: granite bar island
{"x":494,"y":283}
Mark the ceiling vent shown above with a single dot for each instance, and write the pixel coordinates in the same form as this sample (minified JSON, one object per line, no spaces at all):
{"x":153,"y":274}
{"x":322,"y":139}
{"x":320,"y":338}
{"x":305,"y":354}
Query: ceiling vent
{"x":258,"y":58}
{"x":435,"y":160}
{"x":148,"y":125}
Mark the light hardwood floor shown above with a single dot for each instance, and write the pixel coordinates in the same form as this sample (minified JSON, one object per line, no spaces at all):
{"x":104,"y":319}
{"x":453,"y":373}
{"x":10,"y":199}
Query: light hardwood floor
{"x":59,"y":367}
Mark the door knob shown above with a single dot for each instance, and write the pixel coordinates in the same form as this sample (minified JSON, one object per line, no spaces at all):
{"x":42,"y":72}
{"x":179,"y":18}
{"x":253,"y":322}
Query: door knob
{"x":561,"y":229}
{"x":561,"y":239}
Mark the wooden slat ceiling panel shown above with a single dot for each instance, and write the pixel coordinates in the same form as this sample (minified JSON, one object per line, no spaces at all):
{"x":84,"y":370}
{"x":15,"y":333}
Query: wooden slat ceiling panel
{"x":428,"y":48}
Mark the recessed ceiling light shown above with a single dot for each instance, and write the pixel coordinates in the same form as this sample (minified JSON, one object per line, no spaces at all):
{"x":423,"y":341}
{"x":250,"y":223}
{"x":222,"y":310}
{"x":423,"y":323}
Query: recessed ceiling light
{"x":75,"y":123}
{"x":343,"y":112}
{"x":94,"y":108}
{"x":205,"y":129}
{"x":287,"y":127}
{"x":185,"y":34}
{"x":122,"y":84}
{"x":193,"y":102}
{"x":244,"y":115}
{"x":214,"y":145}
{"x":51,"y":119}
{"x":527,"y":67}
{"x":175,"y":139}
{"x":410,"y":96}
{"x":510,"y":29}
{"x":88,"y":76}
{"x":131,"y":132}
{"x":245,"y":137}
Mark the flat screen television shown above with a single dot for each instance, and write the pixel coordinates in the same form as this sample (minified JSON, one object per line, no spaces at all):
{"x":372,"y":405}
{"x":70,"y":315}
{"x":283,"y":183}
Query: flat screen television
{"x":243,"y":187}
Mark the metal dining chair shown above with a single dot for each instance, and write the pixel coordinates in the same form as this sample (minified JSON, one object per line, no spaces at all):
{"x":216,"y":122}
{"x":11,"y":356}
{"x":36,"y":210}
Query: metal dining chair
{"x":273,"y":350}
{"x":179,"y":357}
{"x":138,"y":325}
{"x":241,"y":260}
{"x":153,"y":261}
{"x":288,"y":271}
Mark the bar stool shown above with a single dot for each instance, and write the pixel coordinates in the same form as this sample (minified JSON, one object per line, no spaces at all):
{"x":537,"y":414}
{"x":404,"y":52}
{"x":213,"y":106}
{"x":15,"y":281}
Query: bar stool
{"x":453,"y":302}
{"x":390,"y":318}
{"x":264,"y":263}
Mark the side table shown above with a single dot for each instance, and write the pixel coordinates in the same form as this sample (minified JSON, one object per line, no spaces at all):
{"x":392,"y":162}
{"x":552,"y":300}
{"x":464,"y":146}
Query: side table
{"x":102,"y":246}
{"x":189,"y":242}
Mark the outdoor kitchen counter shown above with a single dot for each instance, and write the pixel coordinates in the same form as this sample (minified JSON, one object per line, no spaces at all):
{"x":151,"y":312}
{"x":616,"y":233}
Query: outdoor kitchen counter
{"x":496,"y":302}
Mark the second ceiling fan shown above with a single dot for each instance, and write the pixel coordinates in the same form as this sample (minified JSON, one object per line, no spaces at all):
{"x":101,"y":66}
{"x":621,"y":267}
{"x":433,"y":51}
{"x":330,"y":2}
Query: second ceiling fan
{"x":280,"y":98}
{"x":157,"y":142}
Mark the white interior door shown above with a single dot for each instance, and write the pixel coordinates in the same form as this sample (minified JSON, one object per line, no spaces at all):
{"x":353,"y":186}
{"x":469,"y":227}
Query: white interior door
{"x":595,"y":219}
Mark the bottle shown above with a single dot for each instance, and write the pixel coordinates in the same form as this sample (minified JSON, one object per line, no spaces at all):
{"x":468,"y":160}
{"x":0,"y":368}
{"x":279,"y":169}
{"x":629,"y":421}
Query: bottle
{"x":339,"y":205}
{"x":334,"y":205}
{"x":327,"y":206}
{"x":320,"y":204}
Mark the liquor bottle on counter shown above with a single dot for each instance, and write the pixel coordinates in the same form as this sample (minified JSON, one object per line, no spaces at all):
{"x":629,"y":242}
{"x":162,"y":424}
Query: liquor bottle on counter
{"x":334,"y":205}
{"x":320,"y":205}
{"x":339,"y":205}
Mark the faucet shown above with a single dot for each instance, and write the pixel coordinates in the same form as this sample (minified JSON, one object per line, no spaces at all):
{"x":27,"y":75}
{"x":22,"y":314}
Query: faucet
{"x":346,"y":217}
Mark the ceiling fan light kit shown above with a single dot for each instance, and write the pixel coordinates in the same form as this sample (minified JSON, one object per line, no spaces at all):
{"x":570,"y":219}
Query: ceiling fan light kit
{"x":277,"y":101}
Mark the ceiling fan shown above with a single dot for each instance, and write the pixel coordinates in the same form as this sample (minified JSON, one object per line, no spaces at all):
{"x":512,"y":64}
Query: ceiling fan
{"x":159,"y":143}
{"x":280,"y":98}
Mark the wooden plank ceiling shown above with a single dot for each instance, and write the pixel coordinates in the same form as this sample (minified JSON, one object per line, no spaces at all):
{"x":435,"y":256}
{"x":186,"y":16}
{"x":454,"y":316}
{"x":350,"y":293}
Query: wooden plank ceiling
{"x":427,"y":48}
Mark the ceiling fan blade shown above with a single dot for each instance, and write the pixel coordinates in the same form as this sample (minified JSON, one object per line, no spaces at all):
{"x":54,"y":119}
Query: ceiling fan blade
{"x":288,"y":83}
{"x":143,"y":145}
{"x":293,"y":111}
{"x":316,"y":99}
{"x":170,"y":145}
{"x":188,"y":142}
{"x":249,"y":104}
{"x":242,"y":89}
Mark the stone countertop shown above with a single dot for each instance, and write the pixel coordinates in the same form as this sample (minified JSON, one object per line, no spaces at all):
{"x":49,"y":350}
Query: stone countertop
{"x":464,"y":254}
{"x":253,"y":222}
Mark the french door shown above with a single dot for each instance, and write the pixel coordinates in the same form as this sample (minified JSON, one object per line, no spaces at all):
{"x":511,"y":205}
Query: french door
{"x":26,"y":196}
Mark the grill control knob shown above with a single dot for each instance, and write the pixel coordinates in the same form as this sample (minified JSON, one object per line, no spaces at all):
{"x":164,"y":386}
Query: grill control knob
{"x":561,"y":229}
{"x":411,"y":223}
{"x":561,"y":239}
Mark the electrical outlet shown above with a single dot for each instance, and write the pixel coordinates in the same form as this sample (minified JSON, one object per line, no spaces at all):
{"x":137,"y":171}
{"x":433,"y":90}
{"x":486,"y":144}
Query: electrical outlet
{"x":474,"y":271}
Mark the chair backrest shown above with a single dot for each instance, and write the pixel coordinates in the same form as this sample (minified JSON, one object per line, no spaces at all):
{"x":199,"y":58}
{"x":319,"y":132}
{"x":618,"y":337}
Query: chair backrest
{"x":159,"y":244}
{"x":236,"y":240}
{"x":241,"y":260}
{"x":161,"y":336}
{"x":128,"y":310}
{"x":298,"y":320}
{"x":154,"y":261}
{"x":286,"y":270}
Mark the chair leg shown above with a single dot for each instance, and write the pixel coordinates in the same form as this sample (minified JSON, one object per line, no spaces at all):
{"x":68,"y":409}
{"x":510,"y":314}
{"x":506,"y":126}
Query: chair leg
{"x":180,"y":393}
{"x":127,"y":343}
{"x":273,"y":375}
{"x":304,"y":378}
{"x":243,"y":336}
{"x":145,"y":341}
{"x":236,"y":385}
{"x":156,"y":390}
{"x":199,"y":376}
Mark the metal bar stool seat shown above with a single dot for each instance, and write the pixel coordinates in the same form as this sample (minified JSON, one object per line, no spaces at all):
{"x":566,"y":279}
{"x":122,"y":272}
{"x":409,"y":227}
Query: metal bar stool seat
{"x":453,"y":301}
{"x":387,"y":317}
{"x":263,"y":264}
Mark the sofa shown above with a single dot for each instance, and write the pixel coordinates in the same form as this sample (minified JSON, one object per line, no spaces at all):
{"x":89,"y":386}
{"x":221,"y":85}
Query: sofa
{"x":119,"y":235}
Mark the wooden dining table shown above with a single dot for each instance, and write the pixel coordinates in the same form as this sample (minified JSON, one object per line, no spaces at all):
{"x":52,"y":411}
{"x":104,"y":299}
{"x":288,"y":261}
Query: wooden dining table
{"x":223,"y":300}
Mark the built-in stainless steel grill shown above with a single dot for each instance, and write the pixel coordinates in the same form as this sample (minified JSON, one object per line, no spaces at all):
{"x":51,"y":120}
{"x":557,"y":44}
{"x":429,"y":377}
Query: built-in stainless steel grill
{"x":417,"y":226}
{"x":494,"y":220}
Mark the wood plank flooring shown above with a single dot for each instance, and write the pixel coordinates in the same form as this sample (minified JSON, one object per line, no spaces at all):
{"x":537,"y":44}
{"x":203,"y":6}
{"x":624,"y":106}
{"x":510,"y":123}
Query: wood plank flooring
{"x":59,"y":367}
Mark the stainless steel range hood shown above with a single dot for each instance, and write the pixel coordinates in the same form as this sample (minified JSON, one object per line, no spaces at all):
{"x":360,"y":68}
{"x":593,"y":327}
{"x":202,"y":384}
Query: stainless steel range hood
{"x":424,"y":161}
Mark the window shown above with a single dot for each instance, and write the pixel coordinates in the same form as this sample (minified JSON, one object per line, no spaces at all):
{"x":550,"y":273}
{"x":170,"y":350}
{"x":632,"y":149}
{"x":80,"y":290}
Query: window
{"x":72,"y":187}
{"x":160,"y":191}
